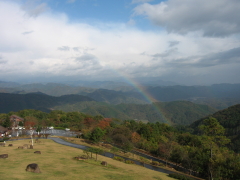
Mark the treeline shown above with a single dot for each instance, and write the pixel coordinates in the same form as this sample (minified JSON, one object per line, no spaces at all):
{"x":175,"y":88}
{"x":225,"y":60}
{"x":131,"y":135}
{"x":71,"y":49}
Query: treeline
{"x":177,"y":112}
{"x":205,"y":154}
{"x":229,"y":118}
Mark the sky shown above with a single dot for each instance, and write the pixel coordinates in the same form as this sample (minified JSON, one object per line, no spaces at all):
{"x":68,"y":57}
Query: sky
{"x":184,"y":41}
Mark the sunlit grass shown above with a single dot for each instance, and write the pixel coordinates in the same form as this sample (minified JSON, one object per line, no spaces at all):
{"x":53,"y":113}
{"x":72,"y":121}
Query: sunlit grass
{"x":57,"y":162}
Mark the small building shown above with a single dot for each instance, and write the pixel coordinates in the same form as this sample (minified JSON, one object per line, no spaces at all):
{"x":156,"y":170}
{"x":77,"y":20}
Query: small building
{"x":15,"y":120}
{"x":3,"y":131}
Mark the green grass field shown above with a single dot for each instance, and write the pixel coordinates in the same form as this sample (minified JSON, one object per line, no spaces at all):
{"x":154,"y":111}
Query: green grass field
{"x":57,"y":162}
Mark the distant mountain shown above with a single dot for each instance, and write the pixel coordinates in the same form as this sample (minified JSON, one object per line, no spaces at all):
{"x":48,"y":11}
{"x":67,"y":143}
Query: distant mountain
{"x":218,"y":103}
{"x":229,"y":118}
{"x":43,"y":102}
{"x":173,"y":93}
{"x":113,"y":97}
{"x":181,"y":112}
{"x":52,"y":89}
{"x":103,"y":95}
{"x":4,"y":84}
{"x":219,"y":96}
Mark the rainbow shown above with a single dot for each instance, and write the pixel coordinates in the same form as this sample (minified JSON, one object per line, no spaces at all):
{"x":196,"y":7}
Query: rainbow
{"x":148,"y":97}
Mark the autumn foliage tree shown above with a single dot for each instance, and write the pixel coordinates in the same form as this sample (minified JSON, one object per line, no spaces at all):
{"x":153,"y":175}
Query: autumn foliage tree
{"x":135,"y":138}
{"x":103,"y":124}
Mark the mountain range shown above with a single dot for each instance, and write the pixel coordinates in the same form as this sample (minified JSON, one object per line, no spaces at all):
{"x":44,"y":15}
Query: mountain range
{"x":178,"y":112}
{"x":219,"y":96}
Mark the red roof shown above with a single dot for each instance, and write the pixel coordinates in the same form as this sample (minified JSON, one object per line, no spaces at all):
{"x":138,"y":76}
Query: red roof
{"x":15,"y":117}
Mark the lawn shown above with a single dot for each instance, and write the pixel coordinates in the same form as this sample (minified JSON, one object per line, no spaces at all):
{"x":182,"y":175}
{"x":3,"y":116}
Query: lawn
{"x":57,"y":162}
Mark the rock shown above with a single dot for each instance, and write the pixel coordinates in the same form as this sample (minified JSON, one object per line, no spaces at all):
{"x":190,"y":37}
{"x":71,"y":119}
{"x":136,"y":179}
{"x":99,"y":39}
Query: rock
{"x":79,"y":158}
{"x":31,"y":147}
{"x":25,"y":146}
{"x":33,"y":168}
{"x":104,"y":163}
{"x":10,"y":145}
{"x":37,"y":152}
{"x":37,"y":141}
{"x":4,"y":156}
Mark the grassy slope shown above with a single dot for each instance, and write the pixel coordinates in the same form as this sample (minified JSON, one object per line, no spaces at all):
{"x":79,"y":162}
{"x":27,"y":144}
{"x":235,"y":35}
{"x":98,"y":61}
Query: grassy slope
{"x":56,"y":162}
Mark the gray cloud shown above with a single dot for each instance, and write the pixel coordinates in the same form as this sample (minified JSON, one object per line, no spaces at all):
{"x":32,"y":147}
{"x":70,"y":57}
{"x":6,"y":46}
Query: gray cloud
{"x":226,"y":57}
{"x":214,"y":18}
{"x":2,"y":61}
{"x":173,"y":43}
{"x":165,"y":54}
{"x":64,"y":48}
{"x":84,"y":49}
{"x":231,"y":56}
{"x":34,"y":10}
{"x":27,"y":32}
{"x":76,"y":49}
{"x":86,"y":57}
{"x":88,"y":62}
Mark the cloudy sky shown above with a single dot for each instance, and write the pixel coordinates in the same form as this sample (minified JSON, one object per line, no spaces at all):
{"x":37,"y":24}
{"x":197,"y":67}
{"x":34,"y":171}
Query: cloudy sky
{"x":185,"y":41}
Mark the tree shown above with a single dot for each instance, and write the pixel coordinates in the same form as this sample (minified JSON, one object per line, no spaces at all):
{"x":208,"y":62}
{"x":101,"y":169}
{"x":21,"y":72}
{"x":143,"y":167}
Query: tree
{"x":127,"y":146}
{"x":39,"y":129}
{"x":7,"y":122}
{"x":97,"y":135}
{"x":135,"y":138}
{"x":103,"y":124}
{"x":213,"y":139}
{"x":95,"y":150}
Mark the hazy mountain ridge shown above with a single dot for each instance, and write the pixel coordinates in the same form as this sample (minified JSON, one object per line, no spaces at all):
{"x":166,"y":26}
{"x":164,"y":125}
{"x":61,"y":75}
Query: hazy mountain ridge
{"x":219,"y":96}
{"x":170,"y":93}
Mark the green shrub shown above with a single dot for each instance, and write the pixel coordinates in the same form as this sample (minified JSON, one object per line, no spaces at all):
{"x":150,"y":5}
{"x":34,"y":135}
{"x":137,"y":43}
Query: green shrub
{"x":161,"y":164}
{"x":155,"y":163}
{"x":143,"y":159}
{"x":114,"y":149}
{"x":4,"y":139}
{"x":129,"y":162}
{"x":118,"y":158}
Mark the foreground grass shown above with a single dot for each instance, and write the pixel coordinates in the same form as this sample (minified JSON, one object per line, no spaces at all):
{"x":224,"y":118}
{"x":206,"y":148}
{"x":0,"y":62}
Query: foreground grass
{"x":56,"y":162}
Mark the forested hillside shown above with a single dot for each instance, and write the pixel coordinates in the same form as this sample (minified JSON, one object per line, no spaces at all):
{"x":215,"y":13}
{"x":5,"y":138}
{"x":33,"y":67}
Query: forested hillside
{"x":206,"y":155}
{"x":39,"y":101}
{"x":229,"y":118}
{"x":180,"y":112}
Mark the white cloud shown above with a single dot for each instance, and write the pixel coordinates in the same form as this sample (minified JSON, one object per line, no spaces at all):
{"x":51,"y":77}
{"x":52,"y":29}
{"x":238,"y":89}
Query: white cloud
{"x":50,"y":46}
{"x":213,"y":18}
